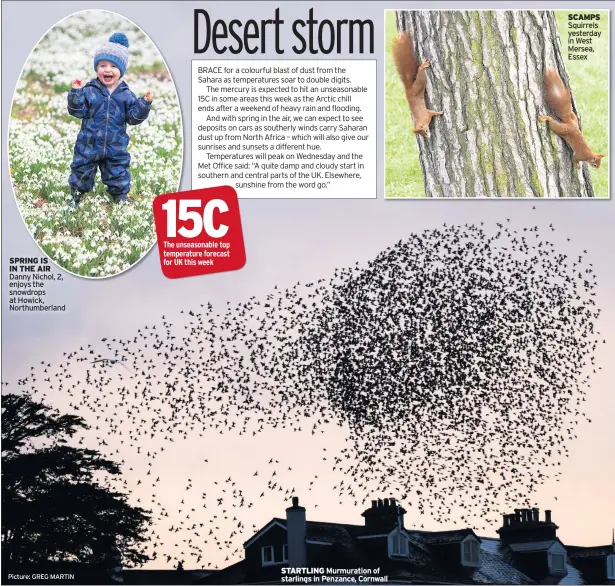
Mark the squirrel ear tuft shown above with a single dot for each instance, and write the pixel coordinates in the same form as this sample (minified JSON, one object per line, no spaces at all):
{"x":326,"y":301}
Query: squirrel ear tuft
{"x":596,"y":161}
{"x":416,"y":130}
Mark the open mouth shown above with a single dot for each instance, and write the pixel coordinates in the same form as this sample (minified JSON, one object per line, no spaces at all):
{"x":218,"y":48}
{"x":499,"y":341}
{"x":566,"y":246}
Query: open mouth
{"x":108,"y":77}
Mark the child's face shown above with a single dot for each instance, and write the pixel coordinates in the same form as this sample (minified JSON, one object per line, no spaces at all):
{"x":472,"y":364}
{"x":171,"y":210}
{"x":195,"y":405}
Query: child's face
{"x":108,"y":74}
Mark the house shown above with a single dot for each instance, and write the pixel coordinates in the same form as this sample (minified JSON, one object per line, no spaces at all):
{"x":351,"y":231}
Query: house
{"x":293,"y":550}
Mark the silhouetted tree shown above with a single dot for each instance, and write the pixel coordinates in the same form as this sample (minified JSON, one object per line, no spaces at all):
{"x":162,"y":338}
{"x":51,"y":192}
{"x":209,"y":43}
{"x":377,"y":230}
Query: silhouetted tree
{"x":53,"y":509}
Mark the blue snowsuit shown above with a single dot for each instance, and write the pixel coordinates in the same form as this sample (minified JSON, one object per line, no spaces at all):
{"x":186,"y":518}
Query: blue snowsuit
{"x":102,"y":140}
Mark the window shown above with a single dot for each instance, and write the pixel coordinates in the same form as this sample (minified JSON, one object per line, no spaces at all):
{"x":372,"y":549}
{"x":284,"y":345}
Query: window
{"x":398,"y":545}
{"x":558,"y":563}
{"x":610,"y":567}
{"x":267,"y":555}
{"x":285,"y":553}
{"x":469,"y":552}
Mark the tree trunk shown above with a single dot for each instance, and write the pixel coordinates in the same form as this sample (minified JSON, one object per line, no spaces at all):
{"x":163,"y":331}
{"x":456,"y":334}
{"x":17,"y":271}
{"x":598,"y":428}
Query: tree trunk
{"x":486,"y":76}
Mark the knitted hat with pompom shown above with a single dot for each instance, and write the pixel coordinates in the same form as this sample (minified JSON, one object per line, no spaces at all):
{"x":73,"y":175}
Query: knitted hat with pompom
{"x":115,"y":51}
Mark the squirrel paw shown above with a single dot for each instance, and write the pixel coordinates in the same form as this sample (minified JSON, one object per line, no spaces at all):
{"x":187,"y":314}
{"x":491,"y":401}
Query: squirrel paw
{"x":544,"y":118}
{"x":424,"y":65}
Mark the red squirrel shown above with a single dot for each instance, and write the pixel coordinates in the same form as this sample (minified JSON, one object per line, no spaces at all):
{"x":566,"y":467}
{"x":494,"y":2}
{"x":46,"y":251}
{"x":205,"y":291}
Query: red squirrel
{"x":560,"y":102}
{"x":414,"y":79}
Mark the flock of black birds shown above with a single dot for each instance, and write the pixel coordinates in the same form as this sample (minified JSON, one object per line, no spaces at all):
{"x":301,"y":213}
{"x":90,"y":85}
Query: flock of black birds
{"x":455,"y":362}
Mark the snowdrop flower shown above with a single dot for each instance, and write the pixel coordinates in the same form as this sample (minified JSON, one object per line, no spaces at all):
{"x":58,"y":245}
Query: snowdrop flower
{"x":97,"y":239}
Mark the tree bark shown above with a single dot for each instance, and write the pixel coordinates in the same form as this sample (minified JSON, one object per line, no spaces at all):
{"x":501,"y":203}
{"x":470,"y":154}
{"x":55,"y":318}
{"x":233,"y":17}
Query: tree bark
{"x":486,"y":75}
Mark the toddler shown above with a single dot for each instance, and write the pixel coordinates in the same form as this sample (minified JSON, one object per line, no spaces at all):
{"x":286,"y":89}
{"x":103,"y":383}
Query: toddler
{"x":105,"y":105}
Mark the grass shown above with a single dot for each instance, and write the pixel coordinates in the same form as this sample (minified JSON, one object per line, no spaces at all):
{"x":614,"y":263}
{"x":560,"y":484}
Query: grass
{"x":588,"y":79}
{"x":100,"y":238}
{"x":157,"y":68}
{"x":403,"y":174}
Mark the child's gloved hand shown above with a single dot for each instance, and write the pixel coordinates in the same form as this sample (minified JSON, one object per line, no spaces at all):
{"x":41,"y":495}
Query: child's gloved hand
{"x":149,"y":96}
{"x":76,"y":84}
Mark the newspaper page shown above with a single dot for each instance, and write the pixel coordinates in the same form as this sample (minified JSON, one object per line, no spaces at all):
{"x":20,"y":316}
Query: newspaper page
{"x":307,"y":293}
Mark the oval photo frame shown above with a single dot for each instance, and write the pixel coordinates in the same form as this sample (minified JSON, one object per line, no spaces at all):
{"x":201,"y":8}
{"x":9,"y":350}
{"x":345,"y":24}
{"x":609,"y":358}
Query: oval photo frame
{"x":100,"y":238}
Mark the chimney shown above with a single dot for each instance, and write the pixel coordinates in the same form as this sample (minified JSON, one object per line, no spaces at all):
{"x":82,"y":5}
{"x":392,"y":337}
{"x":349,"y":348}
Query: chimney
{"x":383,"y":515}
{"x":400,"y":517}
{"x":295,"y":535}
{"x":525,"y":526}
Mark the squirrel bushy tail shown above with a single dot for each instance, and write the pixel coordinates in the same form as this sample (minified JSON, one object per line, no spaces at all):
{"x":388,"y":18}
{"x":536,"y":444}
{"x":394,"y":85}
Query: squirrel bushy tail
{"x":414,"y":79}
{"x":558,"y":96}
{"x":567,"y":127}
{"x":405,"y":60}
